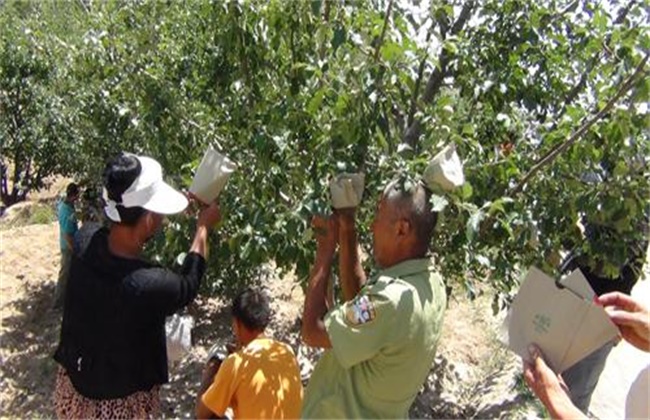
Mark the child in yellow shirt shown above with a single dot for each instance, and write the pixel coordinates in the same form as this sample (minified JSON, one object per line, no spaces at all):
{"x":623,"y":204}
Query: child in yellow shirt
{"x":262,"y":379}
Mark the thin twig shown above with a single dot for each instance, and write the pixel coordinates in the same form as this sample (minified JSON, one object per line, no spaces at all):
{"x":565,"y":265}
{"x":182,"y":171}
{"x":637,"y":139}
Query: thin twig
{"x":594,"y":60}
{"x":84,"y":6}
{"x":555,"y":152}
{"x":383,"y":30}
{"x":418,"y":82}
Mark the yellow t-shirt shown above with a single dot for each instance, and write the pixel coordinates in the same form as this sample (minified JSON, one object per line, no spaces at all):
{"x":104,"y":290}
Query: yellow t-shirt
{"x":261,"y":381}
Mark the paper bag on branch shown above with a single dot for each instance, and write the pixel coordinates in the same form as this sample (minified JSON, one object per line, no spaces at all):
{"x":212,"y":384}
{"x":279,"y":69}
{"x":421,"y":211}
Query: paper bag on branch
{"x":347,"y":190}
{"x":211,"y":175}
{"x":445,"y":170}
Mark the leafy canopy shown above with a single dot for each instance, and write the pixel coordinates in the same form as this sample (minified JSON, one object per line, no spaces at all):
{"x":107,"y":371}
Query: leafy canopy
{"x":297,"y":91}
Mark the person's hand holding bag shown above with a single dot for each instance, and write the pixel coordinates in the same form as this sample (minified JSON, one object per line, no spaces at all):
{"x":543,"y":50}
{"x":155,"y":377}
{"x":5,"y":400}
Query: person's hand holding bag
{"x":630,"y":316}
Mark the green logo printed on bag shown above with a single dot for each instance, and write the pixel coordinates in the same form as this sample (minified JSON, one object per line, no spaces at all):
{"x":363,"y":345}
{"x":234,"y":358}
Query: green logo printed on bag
{"x":542,"y":323}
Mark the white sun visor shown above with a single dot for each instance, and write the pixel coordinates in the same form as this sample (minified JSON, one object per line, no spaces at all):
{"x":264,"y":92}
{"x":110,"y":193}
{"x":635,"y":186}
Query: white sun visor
{"x":148,"y":191}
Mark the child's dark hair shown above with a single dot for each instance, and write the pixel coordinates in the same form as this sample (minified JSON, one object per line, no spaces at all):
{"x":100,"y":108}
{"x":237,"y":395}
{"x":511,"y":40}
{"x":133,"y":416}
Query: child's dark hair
{"x":119,"y":175}
{"x":251,"y":308}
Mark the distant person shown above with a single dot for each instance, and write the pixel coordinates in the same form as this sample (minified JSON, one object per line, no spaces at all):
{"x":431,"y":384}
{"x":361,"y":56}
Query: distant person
{"x":112,"y":351}
{"x":91,"y":207}
{"x":67,"y":228}
{"x":633,"y":320}
{"x":381,"y":341}
{"x":261,"y":380}
{"x":582,"y":378}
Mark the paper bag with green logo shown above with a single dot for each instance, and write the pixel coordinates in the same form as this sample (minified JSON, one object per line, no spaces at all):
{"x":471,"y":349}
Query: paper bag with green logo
{"x":560,"y":318}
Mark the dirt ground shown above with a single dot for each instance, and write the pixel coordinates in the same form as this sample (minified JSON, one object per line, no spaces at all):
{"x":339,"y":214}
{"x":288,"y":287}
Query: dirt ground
{"x":472,"y":375}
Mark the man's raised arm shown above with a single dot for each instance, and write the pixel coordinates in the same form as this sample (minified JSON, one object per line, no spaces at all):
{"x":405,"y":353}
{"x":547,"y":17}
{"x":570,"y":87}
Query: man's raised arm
{"x":313,"y":327}
{"x":352,"y":275}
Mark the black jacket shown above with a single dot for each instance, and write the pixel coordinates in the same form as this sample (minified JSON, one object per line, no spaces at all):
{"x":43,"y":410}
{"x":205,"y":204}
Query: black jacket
{"x":112,"y":340}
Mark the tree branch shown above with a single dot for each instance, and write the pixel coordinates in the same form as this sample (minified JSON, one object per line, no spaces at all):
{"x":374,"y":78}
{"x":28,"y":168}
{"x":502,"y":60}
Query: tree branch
{"x":383,"y":30}
{"x":4,"y":192}
{"x":579,"y":87}
{"x":83,"y":6}
{"x":363,"y":145}
{"x":418,"y":82}
{"x":557,"y":150}
{"x":464,"y":16}
{"x":399,"y":117}
{"x":564,"y":11}
{"x":323,"y":46}
{"x":438,"y":75}
{"x":326,"y":10}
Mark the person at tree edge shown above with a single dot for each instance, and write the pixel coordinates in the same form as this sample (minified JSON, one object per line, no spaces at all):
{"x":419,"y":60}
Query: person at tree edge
{"x":67,"y":229}
{"x":112,"y":351}
{"x":381,"y":340}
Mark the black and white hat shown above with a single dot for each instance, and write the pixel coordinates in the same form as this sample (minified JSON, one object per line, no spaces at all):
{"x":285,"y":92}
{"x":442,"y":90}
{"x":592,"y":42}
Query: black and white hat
{"x":148,"y":191}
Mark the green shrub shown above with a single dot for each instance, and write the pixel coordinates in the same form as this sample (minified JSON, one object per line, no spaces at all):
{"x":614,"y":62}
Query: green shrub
{"x":41,"y":214}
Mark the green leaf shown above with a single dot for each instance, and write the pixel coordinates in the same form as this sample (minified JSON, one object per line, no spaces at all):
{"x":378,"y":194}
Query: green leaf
{"x":338,"y":38}
{"x":391,"y":51}
{"x":467,"y":191}
{"x":315,"y":7}
{"x":600,"y":21}
{"x":468,"y":130}
{"x":620,"y":169}
{"x":315,"y":102}
{"x":450,"y":46}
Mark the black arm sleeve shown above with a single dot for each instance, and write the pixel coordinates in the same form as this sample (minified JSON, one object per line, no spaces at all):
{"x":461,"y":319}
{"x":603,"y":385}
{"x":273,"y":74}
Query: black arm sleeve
{"x":161,"y":290}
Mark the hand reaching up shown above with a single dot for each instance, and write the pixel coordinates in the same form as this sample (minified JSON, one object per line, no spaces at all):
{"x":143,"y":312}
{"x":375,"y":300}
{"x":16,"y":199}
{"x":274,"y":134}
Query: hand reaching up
{"x":326,"y":230}
{"x":209,"y":216}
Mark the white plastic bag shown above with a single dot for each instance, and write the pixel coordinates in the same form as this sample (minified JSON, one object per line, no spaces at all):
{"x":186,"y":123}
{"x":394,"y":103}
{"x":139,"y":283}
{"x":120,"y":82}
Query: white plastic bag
{"x":347,"y":190}
{"x":445,"y":170}
{"x":178,"y":329}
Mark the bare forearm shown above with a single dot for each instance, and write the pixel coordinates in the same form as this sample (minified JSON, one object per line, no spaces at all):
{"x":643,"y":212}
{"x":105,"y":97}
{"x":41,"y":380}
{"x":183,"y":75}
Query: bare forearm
{"x":207,"y":378}
{"x":564,"y":410}
{"x":313,"y":327}
{"x":200,"y":242}
{"x":350,"y":269}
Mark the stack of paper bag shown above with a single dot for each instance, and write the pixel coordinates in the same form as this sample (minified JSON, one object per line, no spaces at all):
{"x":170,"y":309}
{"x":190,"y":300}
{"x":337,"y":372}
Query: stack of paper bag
{"x":561,"y":320}
{"x":347,"y":190}
{"x":211,"y":175}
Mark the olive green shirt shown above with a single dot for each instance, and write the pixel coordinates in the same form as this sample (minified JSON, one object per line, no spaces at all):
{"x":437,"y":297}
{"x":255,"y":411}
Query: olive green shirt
{"x":383,"y":345}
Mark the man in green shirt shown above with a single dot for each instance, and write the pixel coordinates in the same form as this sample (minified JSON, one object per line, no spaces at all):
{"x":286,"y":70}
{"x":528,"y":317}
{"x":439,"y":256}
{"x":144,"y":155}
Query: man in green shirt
{"x":381,"y":340}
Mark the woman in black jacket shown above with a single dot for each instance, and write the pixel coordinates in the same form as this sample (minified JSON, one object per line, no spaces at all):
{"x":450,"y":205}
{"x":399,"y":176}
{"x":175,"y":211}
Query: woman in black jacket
{"x":112,"y":350}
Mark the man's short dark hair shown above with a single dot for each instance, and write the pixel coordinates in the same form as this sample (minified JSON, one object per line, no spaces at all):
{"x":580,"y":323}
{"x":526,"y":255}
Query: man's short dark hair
{"x":415,"y":205}
{"x":72,"y":190}
{"x":119,"y":175}
{"x":251,"y":308}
